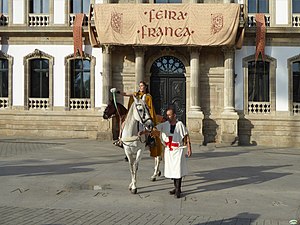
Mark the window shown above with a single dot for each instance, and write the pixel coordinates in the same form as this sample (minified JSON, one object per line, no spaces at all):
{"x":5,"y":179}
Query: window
{"x":79,"y":6}
{"x":296,"y":82}
{"x":3,"y":78}
{"x":39,"y":78}
{"x":6,"y":62}
{"x":258,"y":6}
{"x":259,"y":85}
{"x":258,"y":81}
{"x":4,"y":6}
{"x":80,"y":78}
{"x":80,"y":82}
{"x":39,"y":6}
{"x":296,"y":6}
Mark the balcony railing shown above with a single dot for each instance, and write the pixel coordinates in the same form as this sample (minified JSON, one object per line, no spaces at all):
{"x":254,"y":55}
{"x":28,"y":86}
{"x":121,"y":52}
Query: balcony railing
{"x":296,"y":108}
{"x":296,"y":20}
{"x":3,"y":103}
{"x":38,"y":20}
{"x":38,"y":103}
{"x":3,"y":20}
{"x":259,"y":107}
{"x":252,"y":22}
{"x":80,"y":103}
{"x":72,"y":20}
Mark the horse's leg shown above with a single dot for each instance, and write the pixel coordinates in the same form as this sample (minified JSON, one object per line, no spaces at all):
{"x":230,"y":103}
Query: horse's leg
{"x":157,"y":172}
{"x":135,"y":169}
{"x":131,"y":167}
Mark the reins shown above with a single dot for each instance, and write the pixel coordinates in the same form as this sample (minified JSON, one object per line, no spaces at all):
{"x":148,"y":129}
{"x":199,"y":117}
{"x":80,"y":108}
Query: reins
{"x":115,"y":103}
{"x":120,"y":118}
{"x":136,"y":139}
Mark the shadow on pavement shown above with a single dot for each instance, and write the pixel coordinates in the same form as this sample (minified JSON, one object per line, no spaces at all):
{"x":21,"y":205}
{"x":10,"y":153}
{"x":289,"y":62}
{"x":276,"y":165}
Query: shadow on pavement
{"x":54,"y":169}
{"x":232,"y":177}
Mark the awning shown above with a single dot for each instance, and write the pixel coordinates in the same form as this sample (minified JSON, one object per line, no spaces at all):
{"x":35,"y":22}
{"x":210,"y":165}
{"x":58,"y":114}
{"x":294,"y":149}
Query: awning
{"x":166,"y":24}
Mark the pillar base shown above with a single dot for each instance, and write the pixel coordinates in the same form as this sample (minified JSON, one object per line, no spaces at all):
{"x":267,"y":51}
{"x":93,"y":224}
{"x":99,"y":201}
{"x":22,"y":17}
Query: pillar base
{"x":196,"y":109}
{"x":229,"y":128}
{"x":194,"y":125}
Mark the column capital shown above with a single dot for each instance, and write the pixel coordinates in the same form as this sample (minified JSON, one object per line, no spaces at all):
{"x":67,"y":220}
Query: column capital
{"x":107,"y":49}
{"x":228,"y":49}
{"x":195,"y":49}
{"x":139,"y":50}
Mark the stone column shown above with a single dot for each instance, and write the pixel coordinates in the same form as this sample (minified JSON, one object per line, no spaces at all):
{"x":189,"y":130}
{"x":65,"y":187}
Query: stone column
{"x":139,"y":64}
{"x":106,"y":75}
{"x":195,"y":73}
{"x":195,"y":115}
{"x":229,"y":117}
{"x":228,"y":79}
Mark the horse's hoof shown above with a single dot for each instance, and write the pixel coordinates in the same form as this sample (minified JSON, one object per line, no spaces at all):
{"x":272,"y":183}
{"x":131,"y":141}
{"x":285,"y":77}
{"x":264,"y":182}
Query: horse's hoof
{"x":133,"y":191}
{"x":153,"y":178}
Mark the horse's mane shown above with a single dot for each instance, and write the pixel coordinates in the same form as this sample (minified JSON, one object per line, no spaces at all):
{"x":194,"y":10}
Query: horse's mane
{"x":122,"y":109}
{"x":130,"y":111}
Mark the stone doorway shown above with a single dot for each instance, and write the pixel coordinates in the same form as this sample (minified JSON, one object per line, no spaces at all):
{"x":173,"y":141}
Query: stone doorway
{"x":168,"y":86}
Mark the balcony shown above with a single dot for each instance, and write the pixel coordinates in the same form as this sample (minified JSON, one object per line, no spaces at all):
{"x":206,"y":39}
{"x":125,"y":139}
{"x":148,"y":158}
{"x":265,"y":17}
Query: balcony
{"x":38,"y":20}
{"x":38,"y":103}
{"x":252,"y":23}
{"x":296,"y":20}
{"x":259,"y":107}
{"x":3,"y":103}
{"x":3,"y":20}
{"x":72,"y":20}
{"x":80,"y":103}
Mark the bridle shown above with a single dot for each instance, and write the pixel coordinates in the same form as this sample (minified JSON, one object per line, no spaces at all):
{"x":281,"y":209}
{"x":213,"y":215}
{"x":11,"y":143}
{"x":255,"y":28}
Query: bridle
{"x":143,"y":120}
{"x":142,"y":117}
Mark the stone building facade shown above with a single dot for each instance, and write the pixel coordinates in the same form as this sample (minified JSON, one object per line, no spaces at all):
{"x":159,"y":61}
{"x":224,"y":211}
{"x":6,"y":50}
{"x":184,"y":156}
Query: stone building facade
{"x":212,"y":86}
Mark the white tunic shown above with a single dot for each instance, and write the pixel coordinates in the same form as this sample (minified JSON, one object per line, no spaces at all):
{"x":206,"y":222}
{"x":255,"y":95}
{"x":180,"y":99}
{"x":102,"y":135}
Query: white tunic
{"x":175,"y":160}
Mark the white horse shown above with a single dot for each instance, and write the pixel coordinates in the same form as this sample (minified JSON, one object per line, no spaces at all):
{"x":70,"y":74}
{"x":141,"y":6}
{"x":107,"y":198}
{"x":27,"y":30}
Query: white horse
{"x":138,"y":119}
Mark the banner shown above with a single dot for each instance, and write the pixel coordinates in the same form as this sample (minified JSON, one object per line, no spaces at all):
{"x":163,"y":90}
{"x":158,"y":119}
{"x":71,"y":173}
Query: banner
{"x":260,"y":36}
{"x":77,"y":34}
{"x":167,"y":24}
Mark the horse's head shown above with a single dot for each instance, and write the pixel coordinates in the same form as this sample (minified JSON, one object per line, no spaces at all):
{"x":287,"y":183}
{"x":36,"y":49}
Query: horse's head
{"x":109,"y":111}
{"x":142,"y":114}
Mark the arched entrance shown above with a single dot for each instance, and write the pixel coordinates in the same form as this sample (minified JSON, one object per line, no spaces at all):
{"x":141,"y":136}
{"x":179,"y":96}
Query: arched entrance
{"x":168,"y":86}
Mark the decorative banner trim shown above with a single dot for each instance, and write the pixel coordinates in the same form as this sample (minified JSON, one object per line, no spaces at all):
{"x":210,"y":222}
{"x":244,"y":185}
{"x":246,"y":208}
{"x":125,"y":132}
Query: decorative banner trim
{"x":260,"y":36}
{"x":92,"y":30}
{"x":77,"y":34}
{"x":167,"y":24}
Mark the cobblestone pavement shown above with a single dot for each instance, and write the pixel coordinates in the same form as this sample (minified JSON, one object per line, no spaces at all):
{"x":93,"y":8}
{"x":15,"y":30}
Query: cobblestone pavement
{"x":28,"y":216}
{"x":73,"y":181}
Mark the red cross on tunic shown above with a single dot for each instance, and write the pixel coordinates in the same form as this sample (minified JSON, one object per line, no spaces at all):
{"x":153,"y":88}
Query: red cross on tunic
{"x":171,"y":144}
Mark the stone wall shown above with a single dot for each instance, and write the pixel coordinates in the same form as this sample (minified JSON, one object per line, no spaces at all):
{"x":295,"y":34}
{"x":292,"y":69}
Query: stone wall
{"x":55,"y":124}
